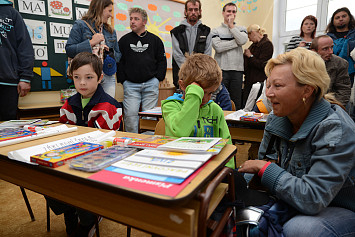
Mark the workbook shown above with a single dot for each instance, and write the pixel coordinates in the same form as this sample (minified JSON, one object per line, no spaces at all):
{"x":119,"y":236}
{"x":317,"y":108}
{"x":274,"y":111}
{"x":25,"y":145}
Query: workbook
{"x":190,"y":144}
{"x":151,"y":142}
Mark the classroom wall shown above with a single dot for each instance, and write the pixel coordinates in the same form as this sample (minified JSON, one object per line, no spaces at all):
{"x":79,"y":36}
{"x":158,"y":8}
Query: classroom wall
{"x":263,"y":16}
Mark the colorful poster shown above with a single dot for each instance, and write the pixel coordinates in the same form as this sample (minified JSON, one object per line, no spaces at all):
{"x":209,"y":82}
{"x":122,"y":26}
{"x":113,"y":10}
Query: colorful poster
{"x":163,"y":16}
{"x":60,"y":9}
{"x":32,"y":7}
{"x":37,"y":31}
{"x":60,"y":29}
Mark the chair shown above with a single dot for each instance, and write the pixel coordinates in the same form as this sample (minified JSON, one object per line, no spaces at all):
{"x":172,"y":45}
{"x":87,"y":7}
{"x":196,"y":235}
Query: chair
{"x":233,"y":106}
{"x":160,"y":128}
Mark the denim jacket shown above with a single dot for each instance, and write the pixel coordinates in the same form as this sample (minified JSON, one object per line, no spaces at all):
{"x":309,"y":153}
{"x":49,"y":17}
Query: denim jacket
{"x":79,"y":38}
{"x":317,"y":164}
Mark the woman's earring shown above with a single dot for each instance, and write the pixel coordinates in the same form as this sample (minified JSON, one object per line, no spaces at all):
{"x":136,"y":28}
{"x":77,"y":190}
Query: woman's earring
{"x":304,"y":100}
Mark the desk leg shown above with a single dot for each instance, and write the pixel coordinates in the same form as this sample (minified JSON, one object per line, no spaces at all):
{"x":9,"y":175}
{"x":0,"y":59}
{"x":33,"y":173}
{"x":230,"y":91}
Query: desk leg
{"x":27,"y":203}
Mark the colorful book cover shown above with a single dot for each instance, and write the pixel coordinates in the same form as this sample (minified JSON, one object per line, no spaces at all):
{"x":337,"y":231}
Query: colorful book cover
{"x":216,"y":148}
{"x":58,"y":157}
{"x":13,"y":133}
{"x":151,"y":142}
{"x":190,"y":144}
{"x":18,"y":123}
{"x":144,"y":184}
{"x":154,"y":169}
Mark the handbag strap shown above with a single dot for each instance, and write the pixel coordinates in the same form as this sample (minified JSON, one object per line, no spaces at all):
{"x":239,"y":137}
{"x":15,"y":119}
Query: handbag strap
{"x":90,"y":27}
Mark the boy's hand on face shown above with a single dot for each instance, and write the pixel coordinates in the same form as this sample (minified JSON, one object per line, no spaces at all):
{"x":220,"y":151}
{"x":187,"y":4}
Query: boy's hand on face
{"x":195,"y":83}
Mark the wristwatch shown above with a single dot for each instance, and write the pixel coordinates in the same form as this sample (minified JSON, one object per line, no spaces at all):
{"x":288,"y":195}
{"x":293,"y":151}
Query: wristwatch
{"x":251,"y":56}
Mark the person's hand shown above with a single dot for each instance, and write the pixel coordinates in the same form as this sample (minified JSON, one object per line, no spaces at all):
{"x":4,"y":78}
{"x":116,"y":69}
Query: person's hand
{"x":96,"y":39}
{"x":23,"y":88}
{"x":247,"y":52}
{"x":252,"y":166}
{"x":231,"y":19}
{"x":195,"y":83}
{"x":302,"y":44}
{"x":106,"y":48}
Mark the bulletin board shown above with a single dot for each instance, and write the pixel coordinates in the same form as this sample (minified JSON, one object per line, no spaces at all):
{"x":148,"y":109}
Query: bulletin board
{"x":163,"y":16}
{"x":49,"y":23}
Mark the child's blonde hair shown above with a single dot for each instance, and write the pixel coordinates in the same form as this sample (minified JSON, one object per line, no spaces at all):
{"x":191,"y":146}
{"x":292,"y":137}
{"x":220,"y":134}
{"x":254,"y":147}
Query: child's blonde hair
{"x":202,"y":69}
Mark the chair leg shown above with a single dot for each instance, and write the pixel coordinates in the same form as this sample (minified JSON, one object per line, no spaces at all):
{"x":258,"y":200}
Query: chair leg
{"x":128,"y":231}
{"x":97,"y":227}
{"x":48,"y":217}
{"x":27,"y":203}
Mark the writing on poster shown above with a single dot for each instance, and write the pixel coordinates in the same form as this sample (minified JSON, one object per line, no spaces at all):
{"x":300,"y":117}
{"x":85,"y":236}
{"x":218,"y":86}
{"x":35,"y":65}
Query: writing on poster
{"x":40,"y":52}
{"x":32,"y":7}
{"x":80,"y":12}
{"x":59,"y":45}
{"x":60,"y":29}
{"x":37,"y":31}
{"x":83,"y":2}
{"x":60,"y":9}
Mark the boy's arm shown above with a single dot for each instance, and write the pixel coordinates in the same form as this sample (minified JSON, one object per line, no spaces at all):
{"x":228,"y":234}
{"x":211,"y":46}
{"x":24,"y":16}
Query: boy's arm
{"x":180,"y":121}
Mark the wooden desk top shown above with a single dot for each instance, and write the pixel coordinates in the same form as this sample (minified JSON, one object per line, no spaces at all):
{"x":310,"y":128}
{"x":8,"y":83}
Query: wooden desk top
{"x":113,"y":202}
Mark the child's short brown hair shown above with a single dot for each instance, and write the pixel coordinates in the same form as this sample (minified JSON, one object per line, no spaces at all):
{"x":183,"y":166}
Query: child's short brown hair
{"x":202,"y":69}
{"x":85,"y":58}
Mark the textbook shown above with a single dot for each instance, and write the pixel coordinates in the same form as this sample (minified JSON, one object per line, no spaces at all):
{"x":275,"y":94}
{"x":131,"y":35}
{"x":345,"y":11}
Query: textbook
{"x":190,"y":144}
{"x":13,"y":133}
{"x":136,"y":183}
{"x":58,"y":157}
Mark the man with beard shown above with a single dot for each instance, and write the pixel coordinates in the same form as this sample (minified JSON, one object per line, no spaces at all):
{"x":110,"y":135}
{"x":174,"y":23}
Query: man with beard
{"x":190,"y":37}
{"x":336,"y":66}
{"x":342,"y":30}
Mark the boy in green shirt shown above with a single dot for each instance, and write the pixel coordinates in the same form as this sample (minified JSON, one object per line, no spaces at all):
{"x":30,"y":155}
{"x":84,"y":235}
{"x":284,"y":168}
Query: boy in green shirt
{"x":193,"y":114}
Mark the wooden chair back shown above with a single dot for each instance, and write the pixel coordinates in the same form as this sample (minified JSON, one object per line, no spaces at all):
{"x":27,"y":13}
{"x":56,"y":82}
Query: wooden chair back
{"x":160,"y":128}
{"x":233,"y":106}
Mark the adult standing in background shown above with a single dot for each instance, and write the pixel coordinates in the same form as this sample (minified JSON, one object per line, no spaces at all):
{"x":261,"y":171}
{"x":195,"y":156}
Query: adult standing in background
{"x":82,"y":39}
{"x":341,"y":29}
{"x":142,"y":66}
{"x":16,"y":57}
{"x":336,"y":66}
{"x":255,"y":58}
{"x":190,"y":37}
{"x":308,"y":32}
{"x":227,"y":41}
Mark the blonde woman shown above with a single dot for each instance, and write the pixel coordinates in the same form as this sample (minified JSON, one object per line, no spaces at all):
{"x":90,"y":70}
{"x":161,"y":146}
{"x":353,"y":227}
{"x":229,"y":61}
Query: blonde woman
{"x":312,"y":142}
{"x":255,"y":58}
{"x":83,"y":39}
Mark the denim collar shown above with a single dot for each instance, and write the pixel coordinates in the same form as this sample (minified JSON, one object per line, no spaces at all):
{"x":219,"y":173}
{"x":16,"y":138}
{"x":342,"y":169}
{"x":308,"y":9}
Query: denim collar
{"x":282,"y":127}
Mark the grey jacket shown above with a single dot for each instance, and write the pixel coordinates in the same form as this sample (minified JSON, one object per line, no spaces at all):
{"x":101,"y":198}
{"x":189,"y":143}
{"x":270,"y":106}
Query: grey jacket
{"x":337,"y":69}
{"x":317,"y":164}
{"x":228,"y":46}
{"x":191,"y":34}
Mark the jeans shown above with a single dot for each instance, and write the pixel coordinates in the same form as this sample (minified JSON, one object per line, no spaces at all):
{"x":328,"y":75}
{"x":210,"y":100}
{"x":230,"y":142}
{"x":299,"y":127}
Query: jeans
{"x":9,"y":102}
{"x":332,"y":221}
{"x":136,"y":94}
{"x":108,"y":83}
{"x":233,"y":80}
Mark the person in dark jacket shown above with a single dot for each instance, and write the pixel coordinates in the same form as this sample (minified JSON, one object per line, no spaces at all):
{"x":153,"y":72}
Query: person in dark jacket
{"x":255,"y":58}
{"x":16,"y":59}
{"x":142,"y":66}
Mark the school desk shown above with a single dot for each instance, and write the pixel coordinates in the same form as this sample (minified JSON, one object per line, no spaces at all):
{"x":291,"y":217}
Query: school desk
{"x":162,"y":215}
{"x":240,"y":130}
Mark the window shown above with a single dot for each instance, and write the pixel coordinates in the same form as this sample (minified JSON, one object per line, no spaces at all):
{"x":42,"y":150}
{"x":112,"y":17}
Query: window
{"x":288,"y":16}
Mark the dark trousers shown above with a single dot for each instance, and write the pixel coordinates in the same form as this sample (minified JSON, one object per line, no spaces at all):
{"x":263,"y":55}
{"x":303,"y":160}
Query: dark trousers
{"x":233,"y":80}
{"x":9,"y":102}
